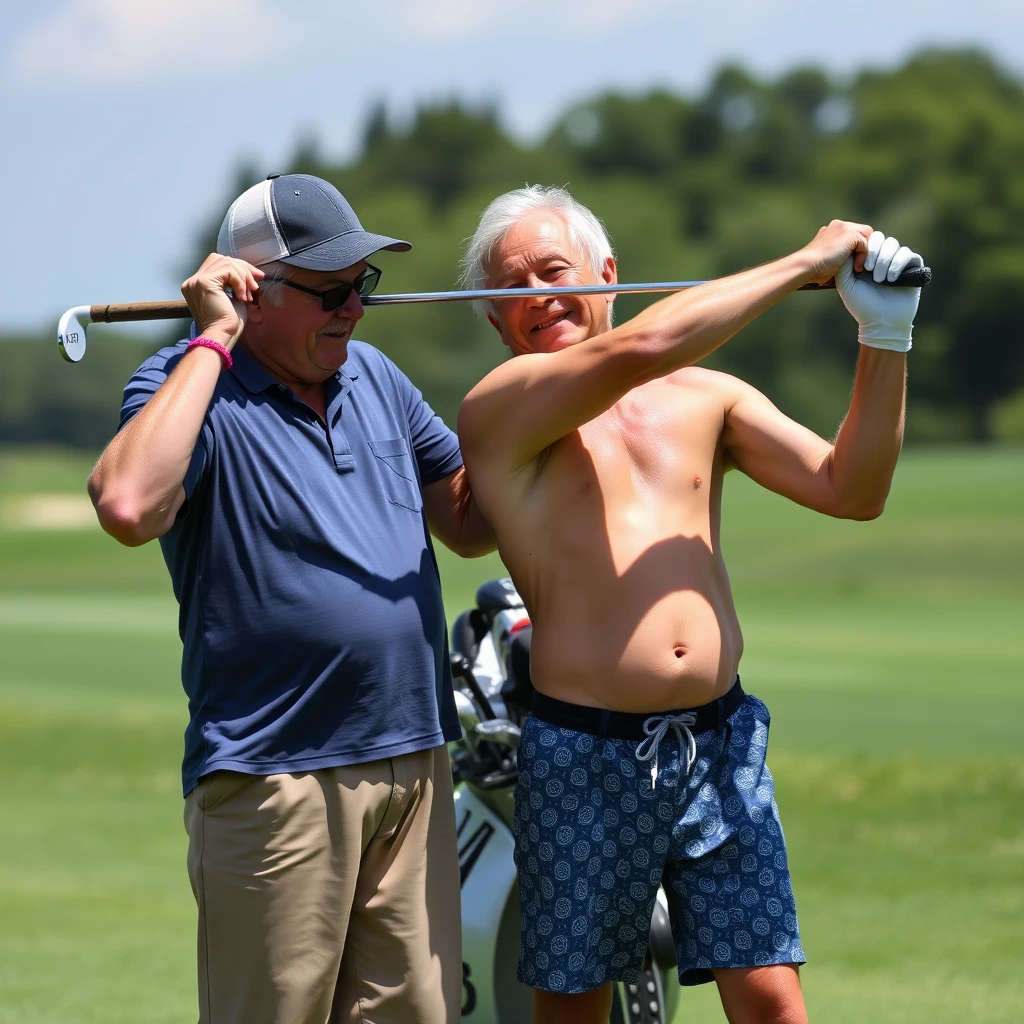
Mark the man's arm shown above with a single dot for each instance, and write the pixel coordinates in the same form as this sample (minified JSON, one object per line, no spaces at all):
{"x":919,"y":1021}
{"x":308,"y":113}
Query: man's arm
{"x":850,"y":478}
{"x":453,"y":516}
{"x":529,"y":402}
{"x":137,"y":483}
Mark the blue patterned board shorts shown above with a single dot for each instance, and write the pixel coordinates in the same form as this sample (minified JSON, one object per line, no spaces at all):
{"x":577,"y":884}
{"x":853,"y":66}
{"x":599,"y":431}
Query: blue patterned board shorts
{"x":595,"y":838}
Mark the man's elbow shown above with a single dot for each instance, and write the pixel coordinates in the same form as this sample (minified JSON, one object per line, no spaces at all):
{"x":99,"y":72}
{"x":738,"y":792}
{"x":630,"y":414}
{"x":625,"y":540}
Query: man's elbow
{"x":863,"y":511}
{"x":480,"y":548}
{"x":649,"y":353}
{"x":122,"y":517}
{"x":471,"y":547}
{"x":124,"y":526}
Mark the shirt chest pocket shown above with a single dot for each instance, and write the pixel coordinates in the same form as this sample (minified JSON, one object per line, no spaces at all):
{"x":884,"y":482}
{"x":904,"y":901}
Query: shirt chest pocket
{"x":396,"y":473}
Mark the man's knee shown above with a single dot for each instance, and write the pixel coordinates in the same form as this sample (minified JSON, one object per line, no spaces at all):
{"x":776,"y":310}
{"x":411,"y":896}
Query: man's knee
{"x":593,"y":1007}
{"x":762,"y":995}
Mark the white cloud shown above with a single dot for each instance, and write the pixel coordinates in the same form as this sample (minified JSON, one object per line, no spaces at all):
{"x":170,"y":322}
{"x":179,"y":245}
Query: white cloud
{"x":121,"y":41}
{"x":525,"y":22}
{"x":131,"y":41}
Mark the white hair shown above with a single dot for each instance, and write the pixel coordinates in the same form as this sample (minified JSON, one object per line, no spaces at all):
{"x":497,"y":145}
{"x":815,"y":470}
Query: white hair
{"x":270,"y":286}
{"x":585,"y":231}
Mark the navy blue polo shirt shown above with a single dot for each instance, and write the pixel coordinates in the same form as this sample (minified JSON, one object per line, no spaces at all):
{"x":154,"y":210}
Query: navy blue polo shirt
{"x":310,"y":603}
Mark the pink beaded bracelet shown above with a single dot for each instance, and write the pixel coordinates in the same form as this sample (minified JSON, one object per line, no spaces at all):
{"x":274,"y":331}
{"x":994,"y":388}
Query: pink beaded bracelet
{"x":215,"y":345}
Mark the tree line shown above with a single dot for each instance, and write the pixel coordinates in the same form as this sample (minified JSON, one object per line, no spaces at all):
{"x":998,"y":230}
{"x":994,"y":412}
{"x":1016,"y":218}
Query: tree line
{"x":689,"y":187}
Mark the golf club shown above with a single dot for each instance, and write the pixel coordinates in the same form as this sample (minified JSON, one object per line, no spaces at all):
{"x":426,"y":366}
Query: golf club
{"x":71,"y":330}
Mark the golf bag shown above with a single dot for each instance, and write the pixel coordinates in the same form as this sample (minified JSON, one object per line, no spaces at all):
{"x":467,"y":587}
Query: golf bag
{"x":491,"y":668}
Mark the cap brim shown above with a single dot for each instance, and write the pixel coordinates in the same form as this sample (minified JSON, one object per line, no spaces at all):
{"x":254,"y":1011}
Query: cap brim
{"x":344,"y":251}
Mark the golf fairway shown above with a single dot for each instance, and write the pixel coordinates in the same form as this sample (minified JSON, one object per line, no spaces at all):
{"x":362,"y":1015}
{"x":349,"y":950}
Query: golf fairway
{"x":890,"y":654}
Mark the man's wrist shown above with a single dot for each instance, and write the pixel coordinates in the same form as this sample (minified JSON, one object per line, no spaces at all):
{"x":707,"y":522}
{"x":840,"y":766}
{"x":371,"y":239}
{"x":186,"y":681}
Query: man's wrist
{"x":889,"y":344}
{"x":204,"y":341}
{"x":220,"y":335}
{"x":803,"y":266}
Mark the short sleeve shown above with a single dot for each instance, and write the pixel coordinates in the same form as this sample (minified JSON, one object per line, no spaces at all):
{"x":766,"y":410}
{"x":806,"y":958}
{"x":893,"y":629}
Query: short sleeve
{"x":435,"y":446}
{"x":143,"y":384}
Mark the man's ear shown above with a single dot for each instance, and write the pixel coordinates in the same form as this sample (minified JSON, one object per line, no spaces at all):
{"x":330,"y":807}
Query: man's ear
{"x":610,"y":275}
{"x":493,"y":321}
{"x":254,"y":313}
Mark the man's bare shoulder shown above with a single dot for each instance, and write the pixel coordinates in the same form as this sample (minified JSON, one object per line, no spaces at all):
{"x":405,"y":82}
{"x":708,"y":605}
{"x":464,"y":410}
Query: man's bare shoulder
{"x":695,"y":395}
{"x":698,"y":378}
{"x":495,"y":388}
{"x":498,"y":377}
{"x":697,"y":384}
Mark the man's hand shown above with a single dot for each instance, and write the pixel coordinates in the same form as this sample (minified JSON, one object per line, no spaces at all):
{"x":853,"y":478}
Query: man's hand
{"x":833,"y":245}
{"x":217,"y":315}
{"x":137,"y":485}
{"x":885,"y":315}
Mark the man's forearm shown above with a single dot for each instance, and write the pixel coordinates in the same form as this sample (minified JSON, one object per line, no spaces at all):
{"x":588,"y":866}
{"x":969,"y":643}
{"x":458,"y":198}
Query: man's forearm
{"x":136,"y":484}
{"x":690,"y":325}
{"x":868,"y":443}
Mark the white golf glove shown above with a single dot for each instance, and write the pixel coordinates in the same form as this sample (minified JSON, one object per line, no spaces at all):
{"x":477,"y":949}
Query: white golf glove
{"x":885,"y":314}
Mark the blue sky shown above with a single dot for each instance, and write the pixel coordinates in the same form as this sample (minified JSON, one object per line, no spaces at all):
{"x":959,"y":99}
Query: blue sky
{"x":123,"y":121}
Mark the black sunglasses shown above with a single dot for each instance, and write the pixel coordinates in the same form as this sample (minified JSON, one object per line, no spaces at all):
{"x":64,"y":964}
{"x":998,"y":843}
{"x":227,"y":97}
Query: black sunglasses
{"x":337,"y":296}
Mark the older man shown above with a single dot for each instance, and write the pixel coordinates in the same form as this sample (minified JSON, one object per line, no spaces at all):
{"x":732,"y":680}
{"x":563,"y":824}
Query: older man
{"x":597,"y":455}
{"x":291,"y":475}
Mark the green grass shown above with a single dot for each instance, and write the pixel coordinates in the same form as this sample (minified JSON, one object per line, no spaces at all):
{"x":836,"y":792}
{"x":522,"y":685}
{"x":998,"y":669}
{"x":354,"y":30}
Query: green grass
{"x":890,"y":653}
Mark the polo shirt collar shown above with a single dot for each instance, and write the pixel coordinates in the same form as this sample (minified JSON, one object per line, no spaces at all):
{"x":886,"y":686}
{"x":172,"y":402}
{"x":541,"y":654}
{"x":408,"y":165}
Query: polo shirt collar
{"x":248,"y":371}
{"x":251,"y":375}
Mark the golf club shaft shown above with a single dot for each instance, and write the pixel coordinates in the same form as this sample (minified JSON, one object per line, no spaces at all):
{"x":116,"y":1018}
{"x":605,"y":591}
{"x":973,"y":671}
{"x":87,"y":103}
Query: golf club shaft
{"x":914,"y":277}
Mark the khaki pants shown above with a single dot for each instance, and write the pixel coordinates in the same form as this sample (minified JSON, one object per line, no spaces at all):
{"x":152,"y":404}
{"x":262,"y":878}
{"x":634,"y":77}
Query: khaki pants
{"x":328,"y":896}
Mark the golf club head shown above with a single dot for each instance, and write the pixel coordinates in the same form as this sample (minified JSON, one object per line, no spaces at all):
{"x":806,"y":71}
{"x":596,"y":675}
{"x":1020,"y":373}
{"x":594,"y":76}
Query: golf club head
{"x":71,"y":333}
{"x":469,"y":717}
{"x":499,"y":730}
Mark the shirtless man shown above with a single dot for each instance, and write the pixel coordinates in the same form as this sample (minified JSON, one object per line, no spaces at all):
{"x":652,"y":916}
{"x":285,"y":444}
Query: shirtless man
{"x":597,"y":456}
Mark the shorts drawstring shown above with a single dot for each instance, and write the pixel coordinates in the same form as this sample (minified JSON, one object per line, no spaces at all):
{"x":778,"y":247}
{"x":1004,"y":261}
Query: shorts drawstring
{"x":655,"y":729}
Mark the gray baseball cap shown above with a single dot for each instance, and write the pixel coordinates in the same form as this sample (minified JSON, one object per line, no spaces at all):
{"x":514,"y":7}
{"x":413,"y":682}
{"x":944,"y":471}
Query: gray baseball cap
{"x":301,"y":220}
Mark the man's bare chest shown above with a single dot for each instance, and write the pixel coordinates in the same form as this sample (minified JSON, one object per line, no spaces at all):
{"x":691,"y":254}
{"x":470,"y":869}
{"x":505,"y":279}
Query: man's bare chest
{"x":635,"y":456}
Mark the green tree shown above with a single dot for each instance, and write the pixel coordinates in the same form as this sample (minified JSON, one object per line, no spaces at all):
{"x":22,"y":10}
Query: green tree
{"x":690,"y":187}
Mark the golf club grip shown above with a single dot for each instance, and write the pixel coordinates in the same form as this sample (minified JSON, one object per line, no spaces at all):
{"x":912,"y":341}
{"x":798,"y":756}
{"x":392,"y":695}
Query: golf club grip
{"x":912,"y":277}
{"x":115,"y":313}
{"x":125,"y":312}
